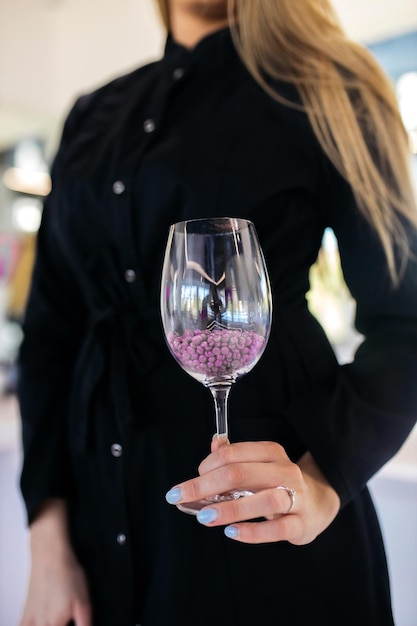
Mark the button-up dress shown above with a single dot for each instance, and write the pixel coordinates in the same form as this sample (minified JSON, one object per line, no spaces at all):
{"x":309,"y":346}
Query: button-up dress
{"x":110,"y":422}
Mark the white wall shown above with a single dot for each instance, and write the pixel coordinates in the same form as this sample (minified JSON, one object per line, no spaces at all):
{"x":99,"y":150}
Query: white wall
{"x":373,"y":20}
{"x":50,"y":49}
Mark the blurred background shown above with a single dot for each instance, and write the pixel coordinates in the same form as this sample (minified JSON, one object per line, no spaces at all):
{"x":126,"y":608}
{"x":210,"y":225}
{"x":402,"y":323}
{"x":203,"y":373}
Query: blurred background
{"x":51,"y":51}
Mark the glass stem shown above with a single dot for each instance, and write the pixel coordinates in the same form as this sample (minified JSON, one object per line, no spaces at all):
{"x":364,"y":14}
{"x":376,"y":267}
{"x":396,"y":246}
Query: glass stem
{"x":220,"y":393}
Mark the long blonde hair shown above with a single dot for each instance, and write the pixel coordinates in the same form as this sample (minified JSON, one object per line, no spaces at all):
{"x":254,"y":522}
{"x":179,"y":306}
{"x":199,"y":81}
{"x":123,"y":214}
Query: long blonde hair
{"x":351,"y":103}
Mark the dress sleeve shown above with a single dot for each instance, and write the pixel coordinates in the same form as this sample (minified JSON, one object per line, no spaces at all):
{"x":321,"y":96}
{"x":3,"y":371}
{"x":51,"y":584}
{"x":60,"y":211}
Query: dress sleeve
{"x":359,"y":424}
{"x":52,"y":332}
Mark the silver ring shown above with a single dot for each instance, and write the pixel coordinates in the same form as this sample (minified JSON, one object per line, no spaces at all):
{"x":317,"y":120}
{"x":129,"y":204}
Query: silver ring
{"x":291,"y":493}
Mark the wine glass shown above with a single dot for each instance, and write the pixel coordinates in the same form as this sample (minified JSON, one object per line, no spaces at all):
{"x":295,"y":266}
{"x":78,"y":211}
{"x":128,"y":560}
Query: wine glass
{"x":216,"y":309}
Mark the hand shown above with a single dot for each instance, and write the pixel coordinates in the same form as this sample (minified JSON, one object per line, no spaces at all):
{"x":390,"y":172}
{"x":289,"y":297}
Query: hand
{"x":261,"y":467}
{"x":58,"y":590}
{"x":57,"y":594}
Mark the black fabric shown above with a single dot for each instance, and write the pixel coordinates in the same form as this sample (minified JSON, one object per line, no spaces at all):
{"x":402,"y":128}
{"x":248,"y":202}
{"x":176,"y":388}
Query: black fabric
{"x":94,"y":368}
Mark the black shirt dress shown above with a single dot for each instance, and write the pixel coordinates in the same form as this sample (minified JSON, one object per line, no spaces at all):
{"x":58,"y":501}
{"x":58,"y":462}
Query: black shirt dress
{"x":110,"y":422}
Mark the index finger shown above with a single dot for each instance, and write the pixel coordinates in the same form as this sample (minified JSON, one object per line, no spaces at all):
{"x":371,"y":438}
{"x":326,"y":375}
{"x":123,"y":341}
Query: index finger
{"x":242,"y":452}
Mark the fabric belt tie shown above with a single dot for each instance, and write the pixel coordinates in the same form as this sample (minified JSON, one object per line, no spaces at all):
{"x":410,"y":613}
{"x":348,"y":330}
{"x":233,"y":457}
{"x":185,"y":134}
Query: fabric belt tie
{"x":126,"y":341}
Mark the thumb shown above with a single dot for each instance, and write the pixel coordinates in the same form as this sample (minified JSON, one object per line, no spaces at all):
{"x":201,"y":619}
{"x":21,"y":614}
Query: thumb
{"x":218,"y":441}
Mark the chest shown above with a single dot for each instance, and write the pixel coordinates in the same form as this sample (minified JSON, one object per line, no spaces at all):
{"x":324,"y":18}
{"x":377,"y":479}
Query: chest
{"x":168,"y":157}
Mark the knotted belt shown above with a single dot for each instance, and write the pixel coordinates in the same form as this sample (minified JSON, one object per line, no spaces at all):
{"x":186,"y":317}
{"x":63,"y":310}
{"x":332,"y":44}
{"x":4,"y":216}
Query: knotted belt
{"x":118,"y":341}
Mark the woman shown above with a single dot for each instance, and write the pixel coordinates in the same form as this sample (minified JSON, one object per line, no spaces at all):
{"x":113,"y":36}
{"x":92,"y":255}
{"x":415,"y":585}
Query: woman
{"x":281,"y":119}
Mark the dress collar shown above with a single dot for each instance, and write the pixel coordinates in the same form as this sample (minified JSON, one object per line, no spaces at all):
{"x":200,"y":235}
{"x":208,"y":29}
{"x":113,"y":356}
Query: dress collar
{"x":212,"y":50}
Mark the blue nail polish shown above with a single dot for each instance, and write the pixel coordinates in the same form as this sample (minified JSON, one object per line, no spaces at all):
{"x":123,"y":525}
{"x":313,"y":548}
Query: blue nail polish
{"x":173,"y":496}
{"x":231,"y":532}
{"x":205,"y":516}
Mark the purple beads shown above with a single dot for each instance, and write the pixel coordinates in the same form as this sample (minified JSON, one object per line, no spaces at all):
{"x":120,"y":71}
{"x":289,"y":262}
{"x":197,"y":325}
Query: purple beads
{"x":216,"y":353}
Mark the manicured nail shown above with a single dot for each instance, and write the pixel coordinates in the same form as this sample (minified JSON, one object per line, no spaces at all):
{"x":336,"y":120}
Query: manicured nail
{"x":205,"y":516}
{"x":231,"y":531}
{"x":173,"y":496}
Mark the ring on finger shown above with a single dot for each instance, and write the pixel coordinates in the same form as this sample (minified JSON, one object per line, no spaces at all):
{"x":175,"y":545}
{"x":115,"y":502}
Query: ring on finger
{"x":291,"y":493}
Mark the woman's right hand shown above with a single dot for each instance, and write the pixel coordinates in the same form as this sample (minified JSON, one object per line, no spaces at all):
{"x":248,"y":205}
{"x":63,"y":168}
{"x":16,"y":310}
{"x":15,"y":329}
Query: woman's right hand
{"x":58,"y":590}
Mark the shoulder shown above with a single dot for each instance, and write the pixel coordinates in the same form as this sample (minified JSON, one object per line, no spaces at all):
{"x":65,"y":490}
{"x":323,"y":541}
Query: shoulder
{"x":107,"y":98}
{"x":120,"y":84}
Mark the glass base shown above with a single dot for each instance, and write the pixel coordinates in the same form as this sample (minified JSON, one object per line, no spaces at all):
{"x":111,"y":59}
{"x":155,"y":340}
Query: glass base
{"x":192,"y":508}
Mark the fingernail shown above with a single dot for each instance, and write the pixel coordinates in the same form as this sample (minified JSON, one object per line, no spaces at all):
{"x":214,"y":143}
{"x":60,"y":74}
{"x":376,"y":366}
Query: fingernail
{"x":205,"y":516}
{"x":231,"y":531}
{"x":174,"y":495}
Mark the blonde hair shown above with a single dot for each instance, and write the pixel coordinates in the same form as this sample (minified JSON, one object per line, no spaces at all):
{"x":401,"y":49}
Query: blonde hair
{"x":351,"y":103}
